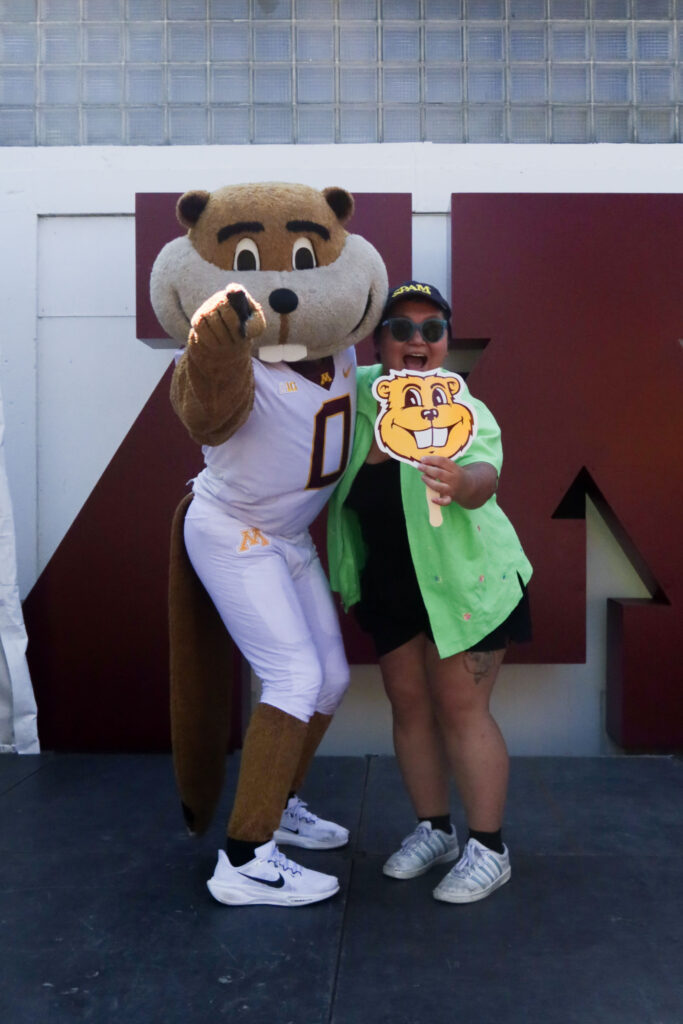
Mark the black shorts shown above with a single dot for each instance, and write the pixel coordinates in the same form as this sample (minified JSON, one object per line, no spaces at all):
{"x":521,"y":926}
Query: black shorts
{"x":390,"y":629}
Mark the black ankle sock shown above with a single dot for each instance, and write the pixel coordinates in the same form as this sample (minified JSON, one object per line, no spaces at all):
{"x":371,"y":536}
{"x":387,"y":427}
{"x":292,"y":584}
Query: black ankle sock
{"x":441,"y":821}
{"x":240,"y":851}
{"x":491,"y":840}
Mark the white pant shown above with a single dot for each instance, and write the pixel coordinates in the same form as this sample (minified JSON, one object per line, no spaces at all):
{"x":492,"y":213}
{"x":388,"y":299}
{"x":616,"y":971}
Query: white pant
{"x":273,"y":597}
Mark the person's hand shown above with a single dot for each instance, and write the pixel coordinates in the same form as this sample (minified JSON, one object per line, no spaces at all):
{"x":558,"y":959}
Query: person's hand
{"x":443,"y":476}
{"x":469,"y":486}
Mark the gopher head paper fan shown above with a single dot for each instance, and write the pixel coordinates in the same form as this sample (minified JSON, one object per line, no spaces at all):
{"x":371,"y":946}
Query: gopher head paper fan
{"x":419,"y":415}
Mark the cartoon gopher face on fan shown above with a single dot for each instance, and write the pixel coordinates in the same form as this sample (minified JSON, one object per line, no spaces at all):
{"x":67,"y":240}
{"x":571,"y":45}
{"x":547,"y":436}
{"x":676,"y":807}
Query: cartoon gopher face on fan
{"x":321,"y":289}
{"x":419,"y":415}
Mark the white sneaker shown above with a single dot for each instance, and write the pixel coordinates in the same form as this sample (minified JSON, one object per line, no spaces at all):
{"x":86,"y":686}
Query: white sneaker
{"x":421,"y":850}
{"x":269,"y":878}
{"x":300,"y":827}
{"x":477,"y":874}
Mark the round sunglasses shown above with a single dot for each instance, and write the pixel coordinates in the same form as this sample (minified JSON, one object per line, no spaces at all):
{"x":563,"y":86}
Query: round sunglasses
{"x":402,"y":328}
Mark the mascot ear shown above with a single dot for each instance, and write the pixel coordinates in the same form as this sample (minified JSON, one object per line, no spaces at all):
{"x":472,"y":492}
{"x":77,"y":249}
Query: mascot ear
{"x":340,"y":202}
{"x":453,"y":386}
{"x":190,"y":206}
{"x":383,"y":389}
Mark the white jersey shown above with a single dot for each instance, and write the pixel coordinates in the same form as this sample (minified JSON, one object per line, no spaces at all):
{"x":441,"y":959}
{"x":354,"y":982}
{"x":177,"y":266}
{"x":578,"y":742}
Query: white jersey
{"x":278,"y":470}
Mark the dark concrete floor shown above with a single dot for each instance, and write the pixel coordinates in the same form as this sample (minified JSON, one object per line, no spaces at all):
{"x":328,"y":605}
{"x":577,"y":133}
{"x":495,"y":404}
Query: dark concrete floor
{"x":105,"y":916}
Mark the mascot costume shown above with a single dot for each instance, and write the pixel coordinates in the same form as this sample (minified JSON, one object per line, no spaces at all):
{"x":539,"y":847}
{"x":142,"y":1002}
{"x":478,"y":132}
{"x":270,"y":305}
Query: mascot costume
{"x":268,"y":294}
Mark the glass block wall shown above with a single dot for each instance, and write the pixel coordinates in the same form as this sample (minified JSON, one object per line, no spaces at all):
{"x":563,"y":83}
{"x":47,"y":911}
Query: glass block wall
{"x":174,"y":72}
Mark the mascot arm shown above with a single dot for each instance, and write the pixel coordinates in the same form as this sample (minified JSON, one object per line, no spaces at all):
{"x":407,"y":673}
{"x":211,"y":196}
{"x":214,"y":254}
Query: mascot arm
{"x":212,"y":390}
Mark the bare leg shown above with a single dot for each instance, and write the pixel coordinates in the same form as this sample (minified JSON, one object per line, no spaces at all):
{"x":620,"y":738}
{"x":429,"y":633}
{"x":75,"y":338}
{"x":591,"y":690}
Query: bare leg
{"x":417,"y":738}
{"x":461,"y":687}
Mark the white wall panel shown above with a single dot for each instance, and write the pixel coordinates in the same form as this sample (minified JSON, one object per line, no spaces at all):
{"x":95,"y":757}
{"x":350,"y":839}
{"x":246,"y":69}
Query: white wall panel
{"x":86,"y":266}
{"x":432,"y":250}
{"x":94,"y":377}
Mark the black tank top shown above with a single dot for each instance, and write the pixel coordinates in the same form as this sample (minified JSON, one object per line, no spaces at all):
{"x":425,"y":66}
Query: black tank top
{"x":388,"y":578}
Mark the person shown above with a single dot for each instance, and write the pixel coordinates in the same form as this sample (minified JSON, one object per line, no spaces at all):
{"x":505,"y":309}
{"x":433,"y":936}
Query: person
{"x":258,"y":563}
{"x":265,"y":383}
{"x":441,"y":604}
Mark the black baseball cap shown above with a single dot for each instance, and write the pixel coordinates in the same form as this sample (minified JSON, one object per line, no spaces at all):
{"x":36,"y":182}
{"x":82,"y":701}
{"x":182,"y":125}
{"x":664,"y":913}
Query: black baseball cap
{"x":415,"y":290}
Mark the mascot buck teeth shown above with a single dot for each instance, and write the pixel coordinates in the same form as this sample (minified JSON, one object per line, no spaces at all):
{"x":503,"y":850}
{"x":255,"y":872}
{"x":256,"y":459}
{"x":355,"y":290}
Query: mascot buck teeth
{"x":268,"y":293}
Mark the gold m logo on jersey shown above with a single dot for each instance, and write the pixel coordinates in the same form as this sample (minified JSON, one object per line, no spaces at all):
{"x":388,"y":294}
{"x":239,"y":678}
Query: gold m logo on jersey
{"x":252,"y":537}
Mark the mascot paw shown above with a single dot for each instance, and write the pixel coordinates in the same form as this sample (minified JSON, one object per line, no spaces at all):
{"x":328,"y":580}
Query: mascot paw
{"x":227,"y":319}
{"x":252,"y":322}
{"x":239,"y":300}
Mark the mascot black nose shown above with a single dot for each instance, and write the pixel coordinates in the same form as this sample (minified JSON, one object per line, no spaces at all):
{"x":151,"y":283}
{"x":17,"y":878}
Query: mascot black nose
{"x":430,"y":414}
{"x":283,"y":300}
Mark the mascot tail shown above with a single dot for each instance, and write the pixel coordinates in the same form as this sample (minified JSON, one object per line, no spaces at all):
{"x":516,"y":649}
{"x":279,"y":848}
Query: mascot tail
{"x":202,"y":670}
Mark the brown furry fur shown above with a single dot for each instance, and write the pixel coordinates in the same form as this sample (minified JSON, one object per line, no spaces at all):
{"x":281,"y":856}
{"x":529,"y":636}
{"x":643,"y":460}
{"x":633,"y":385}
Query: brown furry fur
{"x":315,"y":730}
{"x":273,"y":208}
{"x":212,"y":389}
{"x":272,"y":749}
{"x":201,"y":667}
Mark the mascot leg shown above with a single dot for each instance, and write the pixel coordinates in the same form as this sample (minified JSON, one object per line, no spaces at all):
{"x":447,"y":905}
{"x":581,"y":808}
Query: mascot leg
{"x":270,"y":754}
{"x":254,"y":871}
{"x":316,"y":729}
{"x":258,"y":593}
{"x":299,"y":826}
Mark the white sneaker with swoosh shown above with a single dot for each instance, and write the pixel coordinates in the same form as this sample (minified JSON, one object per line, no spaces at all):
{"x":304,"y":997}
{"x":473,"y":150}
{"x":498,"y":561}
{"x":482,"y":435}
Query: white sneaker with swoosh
{"x":270,"y":878}
{"x":301,"y":827}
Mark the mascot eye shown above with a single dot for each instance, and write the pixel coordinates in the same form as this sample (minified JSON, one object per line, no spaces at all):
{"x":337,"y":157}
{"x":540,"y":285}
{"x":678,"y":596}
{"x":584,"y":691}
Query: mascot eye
{"x":412,"y":397}
{"x":246,"y":255}
{"x":439,"y":396}
{"x":303,"y":254}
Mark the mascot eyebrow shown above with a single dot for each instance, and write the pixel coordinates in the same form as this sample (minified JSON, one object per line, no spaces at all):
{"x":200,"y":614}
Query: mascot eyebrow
{"x":256,"y":225}
{"x":308,"y":225}
{"x":238,"y":228}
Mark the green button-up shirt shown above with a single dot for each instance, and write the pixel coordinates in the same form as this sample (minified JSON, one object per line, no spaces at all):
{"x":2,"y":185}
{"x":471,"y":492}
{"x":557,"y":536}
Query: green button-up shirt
{"x":467,"y":568}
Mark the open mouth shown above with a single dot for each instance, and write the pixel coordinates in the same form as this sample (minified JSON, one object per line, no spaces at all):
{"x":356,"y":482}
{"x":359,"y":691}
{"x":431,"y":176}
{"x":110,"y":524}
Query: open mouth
{"x":414,"y":361}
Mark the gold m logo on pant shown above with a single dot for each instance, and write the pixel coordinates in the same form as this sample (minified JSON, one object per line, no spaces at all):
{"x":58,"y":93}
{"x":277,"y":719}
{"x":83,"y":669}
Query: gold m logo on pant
{"x":251,"y":537}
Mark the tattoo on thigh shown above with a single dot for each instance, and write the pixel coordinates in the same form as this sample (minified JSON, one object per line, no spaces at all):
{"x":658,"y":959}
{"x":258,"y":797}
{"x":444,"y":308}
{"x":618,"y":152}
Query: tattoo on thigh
{"x":480,"y":664}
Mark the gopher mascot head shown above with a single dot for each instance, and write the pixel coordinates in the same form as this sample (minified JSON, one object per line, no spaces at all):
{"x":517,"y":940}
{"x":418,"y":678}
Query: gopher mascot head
{"x":320,"y":288}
